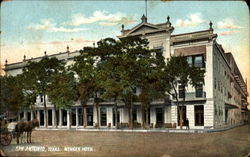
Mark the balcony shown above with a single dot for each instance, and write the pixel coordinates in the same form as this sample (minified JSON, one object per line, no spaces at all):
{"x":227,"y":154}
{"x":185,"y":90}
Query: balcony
{"x":193,"y":96}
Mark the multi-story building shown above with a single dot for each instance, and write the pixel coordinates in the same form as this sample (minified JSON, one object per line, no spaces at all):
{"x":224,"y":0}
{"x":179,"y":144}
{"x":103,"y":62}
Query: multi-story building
{"x":220,"y":101}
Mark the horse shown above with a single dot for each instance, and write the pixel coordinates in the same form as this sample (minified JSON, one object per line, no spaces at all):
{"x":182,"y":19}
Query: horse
{"x":27,"y":127}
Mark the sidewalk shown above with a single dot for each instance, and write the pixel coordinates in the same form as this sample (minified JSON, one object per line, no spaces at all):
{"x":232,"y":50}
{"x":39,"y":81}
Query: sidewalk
{"x":170,"y":130}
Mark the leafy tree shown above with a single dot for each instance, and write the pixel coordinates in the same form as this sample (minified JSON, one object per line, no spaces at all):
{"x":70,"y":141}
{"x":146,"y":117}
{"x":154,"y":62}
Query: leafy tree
{"x":124,"y":63}
{"x":62,"y":91}
{"x":152,"y":82}
{"x":88,"y":77}
{"x":38,"y":77}
{"x":11,"y":96}
{"x":178,"y":71}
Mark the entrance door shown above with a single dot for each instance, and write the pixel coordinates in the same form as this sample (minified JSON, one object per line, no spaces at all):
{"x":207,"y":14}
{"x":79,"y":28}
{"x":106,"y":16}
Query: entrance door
{"x":64,"y":117}
{"x":41,"y":117}
{"x":159,"y":116}
{"x":80,"y":116}
{"x":89,"y":116}
{"x":73,"y":116}
{"x":29,"y":116}
{"x":103,"y":116}
{"x":199,"y":115}
{"x":49,"y":117}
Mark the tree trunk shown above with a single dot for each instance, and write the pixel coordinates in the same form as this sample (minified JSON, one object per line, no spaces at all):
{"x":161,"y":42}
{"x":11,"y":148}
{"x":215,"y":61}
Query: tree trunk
{"x":45,"y":111}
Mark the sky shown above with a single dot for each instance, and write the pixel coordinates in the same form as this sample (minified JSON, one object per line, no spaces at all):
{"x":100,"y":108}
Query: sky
{"x":32,"y":27}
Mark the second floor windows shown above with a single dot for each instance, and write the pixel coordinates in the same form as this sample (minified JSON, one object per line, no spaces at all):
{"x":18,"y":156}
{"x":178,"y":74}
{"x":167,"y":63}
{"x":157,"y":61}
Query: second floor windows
{"x":199,"y":91}
{"x":196,"y":61}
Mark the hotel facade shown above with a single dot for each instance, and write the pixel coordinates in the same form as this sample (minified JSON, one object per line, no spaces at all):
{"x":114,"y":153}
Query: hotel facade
{"x":220,"y":102}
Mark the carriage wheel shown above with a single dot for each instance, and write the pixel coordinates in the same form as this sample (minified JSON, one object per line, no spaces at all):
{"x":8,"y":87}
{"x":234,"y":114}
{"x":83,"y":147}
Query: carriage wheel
{"x":6,"y":139}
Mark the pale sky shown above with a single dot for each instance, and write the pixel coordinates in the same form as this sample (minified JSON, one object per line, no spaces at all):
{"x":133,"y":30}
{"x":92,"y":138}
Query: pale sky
{"x":31,"y":27}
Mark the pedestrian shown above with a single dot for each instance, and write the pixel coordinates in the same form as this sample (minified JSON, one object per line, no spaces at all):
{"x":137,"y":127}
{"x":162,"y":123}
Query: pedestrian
{"x":187,"y":122}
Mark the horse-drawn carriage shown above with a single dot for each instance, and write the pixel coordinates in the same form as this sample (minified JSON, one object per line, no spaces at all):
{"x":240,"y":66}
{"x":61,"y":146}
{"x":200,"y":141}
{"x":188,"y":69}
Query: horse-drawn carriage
{"x":15,"y":130}
{"x":7,"y":131}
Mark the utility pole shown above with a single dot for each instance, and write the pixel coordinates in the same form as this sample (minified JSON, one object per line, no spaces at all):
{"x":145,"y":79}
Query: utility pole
{"x":146,"y":9}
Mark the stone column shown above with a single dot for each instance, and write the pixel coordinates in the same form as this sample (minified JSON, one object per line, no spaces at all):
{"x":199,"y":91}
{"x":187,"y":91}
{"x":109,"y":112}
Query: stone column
{"x":53,"y":117}
{"x":25,"y":114}
{"x":77,"y":120}
{"x":38,"y":115}
{"x":31,"y":114}
{"x":60,"y":117}
{"x":44,"y":117}
{"x":68,"y":118}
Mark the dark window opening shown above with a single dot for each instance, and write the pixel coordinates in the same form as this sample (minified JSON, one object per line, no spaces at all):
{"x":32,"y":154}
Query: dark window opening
{"x":64,"y":117}
{"x":181,"y":91}
{"x":80,"y":117}
{"x":50,"y":117}
{"x":73,"y":117}
{"x":103,"y":116}
{"x":159,"y":116}
{"x":41,"y":117}
{"x":199,"y":91}
{"x":134,"y":115}
{"x":89,"y":116}
{"x":29,"y":116}
{"x":199,"y":115}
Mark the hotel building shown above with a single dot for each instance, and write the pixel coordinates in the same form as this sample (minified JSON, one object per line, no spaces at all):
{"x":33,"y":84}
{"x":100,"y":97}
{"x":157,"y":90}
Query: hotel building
{"x":220,"y":102}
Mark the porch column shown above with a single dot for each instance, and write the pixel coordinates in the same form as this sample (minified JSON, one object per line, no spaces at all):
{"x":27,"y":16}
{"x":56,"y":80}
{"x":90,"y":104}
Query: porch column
{"x":95,"y":120}
{"x":25,"y":115}
{"x":77,"y":120}
{"x":31,"y":115}
{"x":68,"y":118}
{"x":46,"y":117}
{"x":38,"y":115}
{"x":60,"y":117}
{"x":53,"y":117}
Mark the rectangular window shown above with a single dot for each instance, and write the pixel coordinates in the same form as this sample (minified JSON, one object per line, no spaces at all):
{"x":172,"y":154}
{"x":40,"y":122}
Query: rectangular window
{"x":80,"y":116}
{"x":103,"y":116}
{"x":181,"y":91}
{"x":89,"y":116}
{"x":134,"y":115}
{"x":159,"y":115}
{"x":198,"y":61}
{"x":199,"y":115}
{"x":189,"y":60}
{"x":41,"y":98}
{"x":199,"y":91}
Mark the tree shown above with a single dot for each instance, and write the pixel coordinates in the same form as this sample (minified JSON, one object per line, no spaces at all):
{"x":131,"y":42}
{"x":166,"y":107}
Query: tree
{"x":38,"y":77}
{"x":62,"y":91}
{"x":152,"y":83}
{"x":11,"y":97}
{"x":178,"y":71}
{"x":88,"y":79}
{"x":123,"y":64}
